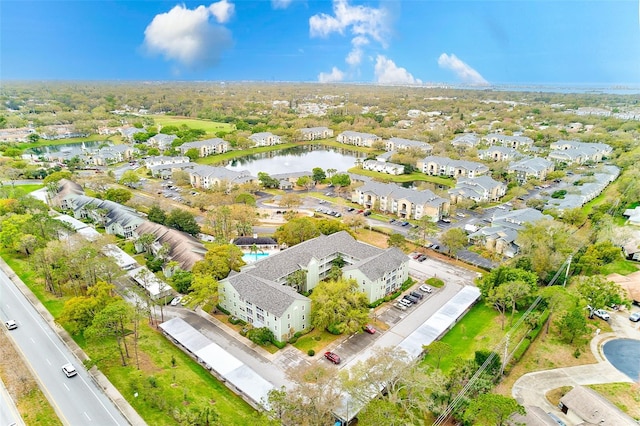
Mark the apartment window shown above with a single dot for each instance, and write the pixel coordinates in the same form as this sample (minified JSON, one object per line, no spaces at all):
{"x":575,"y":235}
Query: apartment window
{"x":303,"y":326}
{"x":288,"y":326}
{"x":259,"y":309}
{"x":250,"y":320}
{"x":260,"y":317}
{"x":303,"y":317}
{"x":288,"y":316}
{"x":249,"y":311}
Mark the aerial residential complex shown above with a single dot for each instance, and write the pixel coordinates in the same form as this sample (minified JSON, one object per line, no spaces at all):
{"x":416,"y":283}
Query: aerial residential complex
{"x":261,"y":293}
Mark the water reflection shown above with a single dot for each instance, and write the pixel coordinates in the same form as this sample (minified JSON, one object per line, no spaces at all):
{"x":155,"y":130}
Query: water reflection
{"x":297,"y":159}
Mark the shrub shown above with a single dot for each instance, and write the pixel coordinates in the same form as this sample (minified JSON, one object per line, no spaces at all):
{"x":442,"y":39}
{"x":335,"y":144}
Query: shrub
{"x":311,"y":352}
{"x":293,"y":340}
{"x":407,"y":284}
{"x":223,"y":310}
{"x":333,"y":330}
{"x":260,"y":336}
{"x":278,"y":344}
{"x":434,"y":282}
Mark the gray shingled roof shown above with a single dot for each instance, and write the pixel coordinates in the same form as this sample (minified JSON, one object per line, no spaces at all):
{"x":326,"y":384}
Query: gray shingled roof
{"x":375,"y":267}
{"x":271,"y":297}
{"x":294,"y":258}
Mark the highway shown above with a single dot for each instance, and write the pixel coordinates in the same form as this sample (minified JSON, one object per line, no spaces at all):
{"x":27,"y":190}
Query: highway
{"x":76,"y":400}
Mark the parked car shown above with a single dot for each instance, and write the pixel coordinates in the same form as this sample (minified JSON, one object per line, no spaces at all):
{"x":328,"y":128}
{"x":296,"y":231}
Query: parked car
{"x":369,"y":329}
{"x":405,"y":223}
{"x":69,"y":370}
{"x":11,"y":324}
{"x":416,"y":294}
{"x":425,"y":288}
{"x":635,"y":317}
{"x":367,"y":213}
{"x":333,"y":357}
{"x":556,"y":419}
{"x":176,"y":301}
{"x":435,"y":247}
{"x":399,"y":306}
{"x":422,"y":258}
{"x":416,"y":256}
{"x":405,"y":302}
{"x":411,"y":298}
{"x":461,"y":215}
{"x":602,"y":314}
{"x":445,"y":220}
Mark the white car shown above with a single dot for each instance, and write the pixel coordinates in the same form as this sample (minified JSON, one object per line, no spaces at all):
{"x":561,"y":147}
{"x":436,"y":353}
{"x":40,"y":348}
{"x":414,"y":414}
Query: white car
{"x":426,"y":288}
{"x":601,"y":313}
{"x":635,"y":317}
{"x":176,"y":301}
{"x":69,"y":370}
{"x":11,"y":324}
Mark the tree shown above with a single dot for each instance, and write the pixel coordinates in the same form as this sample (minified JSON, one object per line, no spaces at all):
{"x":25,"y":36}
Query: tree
{"x":504,"y":274}
{"x":156,"y":214}
{"x":318,"y":175}
{"x":425,"y":228}
{"x":193,"y":154}
{"x":296,"y":231}
{"x":599,"y":292}
{"x":118,"y":195}
{"x":341,"y":180}
{"x":572,"y":324}
{"x":438,"y":350}
{"x":181,"y":281}
{"x":219,"y":261}
{"x":184,"y":221}
{"x":110,"y":322}
{"x":304,"y":181}
{"x":454,"y":239}
{"x":396,"y":240}
{"x":290,"y":201}
{"x":492,"y":409}
{"x":267,"y":181}
{"x":354,"y":221}
{"x":130,"y":178}
{"x":56,"y":177}
{"x":311,"y":402}
{"x":339,"y":305}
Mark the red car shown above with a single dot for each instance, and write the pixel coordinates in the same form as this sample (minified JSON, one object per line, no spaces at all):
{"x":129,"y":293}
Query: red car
{"x":334,"y":358}
{"x":369,"y":329}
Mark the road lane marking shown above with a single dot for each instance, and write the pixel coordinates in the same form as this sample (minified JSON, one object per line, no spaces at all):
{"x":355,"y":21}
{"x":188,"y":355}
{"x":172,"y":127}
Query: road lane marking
{"x":48,"y":362}
{"x":32,"y":339}
{"x":86,"y":415}
{"x":65,"y":385}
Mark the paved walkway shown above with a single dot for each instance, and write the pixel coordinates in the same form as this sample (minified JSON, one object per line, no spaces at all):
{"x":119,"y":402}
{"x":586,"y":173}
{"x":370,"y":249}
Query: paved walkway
{"x":531,"y":388}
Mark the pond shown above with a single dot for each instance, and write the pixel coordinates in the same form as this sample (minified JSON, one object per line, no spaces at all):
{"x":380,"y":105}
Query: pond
{"x":297,"y":159}
{"x":71,"y":147}
{"x":624,"y":355}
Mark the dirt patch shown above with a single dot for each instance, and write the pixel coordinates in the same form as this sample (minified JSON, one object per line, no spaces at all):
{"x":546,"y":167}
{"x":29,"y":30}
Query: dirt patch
{"x":32,"y":405}
{"x":546,"y":353}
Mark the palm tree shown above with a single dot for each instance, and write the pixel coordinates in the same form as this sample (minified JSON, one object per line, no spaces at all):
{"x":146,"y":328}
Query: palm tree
{"x":255,"y":249}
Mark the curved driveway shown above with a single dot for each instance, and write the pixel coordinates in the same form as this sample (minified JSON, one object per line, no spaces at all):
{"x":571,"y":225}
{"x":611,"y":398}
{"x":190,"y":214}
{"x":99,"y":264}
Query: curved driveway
{"x":531,"y":388}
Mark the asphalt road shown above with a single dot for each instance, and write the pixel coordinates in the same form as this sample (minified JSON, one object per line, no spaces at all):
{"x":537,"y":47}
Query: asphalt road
{"x":76,"y":400}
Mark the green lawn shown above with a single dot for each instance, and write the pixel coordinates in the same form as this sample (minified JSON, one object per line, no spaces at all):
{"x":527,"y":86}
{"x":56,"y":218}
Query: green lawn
{"x":27,"y":188}
{"x":164,"y":388}
{"x":413,"y":177}
{"x":115,"y":139}
{"x":315,"y":340}
{"x":478,"y":330}
{"x":620,"y":266}
{"x":161,"y":388}
{"x":210,"y":127}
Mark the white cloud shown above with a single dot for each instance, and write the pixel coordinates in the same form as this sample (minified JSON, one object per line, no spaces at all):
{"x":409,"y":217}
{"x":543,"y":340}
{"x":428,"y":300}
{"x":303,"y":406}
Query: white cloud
{"x":332,"y":77}
{"x":222,"y":10}
{"x":463,"y":71}
{"x":360,"y":21}
{"x":387,"y":72}
{"x":354,"y":57}
{"x":188,"y":36}
{"x":280,"y":4}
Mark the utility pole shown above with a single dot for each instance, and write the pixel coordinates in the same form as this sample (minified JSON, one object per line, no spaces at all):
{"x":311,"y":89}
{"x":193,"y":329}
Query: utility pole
{"x":506,"y":354}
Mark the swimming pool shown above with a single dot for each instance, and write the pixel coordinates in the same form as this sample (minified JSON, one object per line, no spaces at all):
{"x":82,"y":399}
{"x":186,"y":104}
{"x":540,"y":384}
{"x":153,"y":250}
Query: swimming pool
{"x":253,"y":257}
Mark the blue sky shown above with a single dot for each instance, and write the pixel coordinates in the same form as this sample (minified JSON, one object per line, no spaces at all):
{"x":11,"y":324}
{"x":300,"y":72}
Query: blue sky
{"x":396,"y":42}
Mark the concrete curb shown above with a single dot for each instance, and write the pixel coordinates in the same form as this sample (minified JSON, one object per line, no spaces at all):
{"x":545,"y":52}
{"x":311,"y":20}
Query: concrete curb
{"x":98,"y":377}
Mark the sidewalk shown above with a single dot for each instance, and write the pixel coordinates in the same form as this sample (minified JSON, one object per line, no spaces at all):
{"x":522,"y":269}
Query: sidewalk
{"x":100,"y":379}
{"x":531,"y":388}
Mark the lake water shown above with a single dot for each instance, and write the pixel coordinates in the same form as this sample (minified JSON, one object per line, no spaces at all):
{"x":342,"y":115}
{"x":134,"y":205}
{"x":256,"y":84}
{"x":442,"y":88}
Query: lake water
{"x":297,"y":159}
{"x":75,"y":148}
